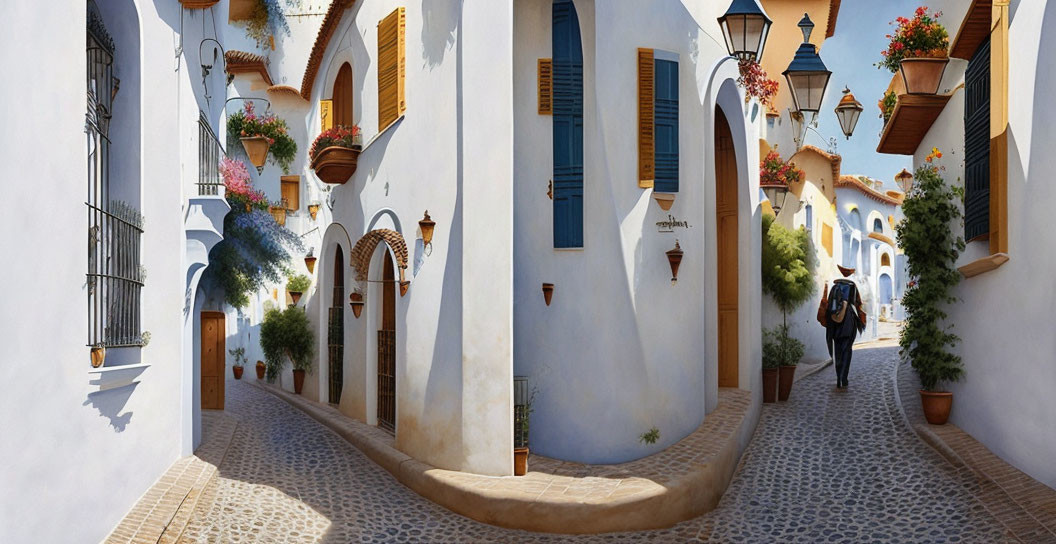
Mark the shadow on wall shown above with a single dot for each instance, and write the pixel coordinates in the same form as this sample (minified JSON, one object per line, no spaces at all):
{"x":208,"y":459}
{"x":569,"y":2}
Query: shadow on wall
{"x":109,"y":403}
{"x":439,"y":21}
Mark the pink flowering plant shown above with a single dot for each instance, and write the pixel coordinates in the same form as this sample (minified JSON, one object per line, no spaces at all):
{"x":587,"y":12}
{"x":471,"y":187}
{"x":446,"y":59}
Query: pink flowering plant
{"x":240,"y":191}
{"x":773,"y":170}
{"x":919,"y":37}
{"x":756,"y":84}
{"x":339,"y":136}
{"x":246,"y":123}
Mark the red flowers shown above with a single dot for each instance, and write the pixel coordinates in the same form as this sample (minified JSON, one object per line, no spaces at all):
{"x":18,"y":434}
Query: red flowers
{"x":773,"y":170}
{"x":340,"y":136}
{"x":755,"y":83}
{"x":919,"y":37}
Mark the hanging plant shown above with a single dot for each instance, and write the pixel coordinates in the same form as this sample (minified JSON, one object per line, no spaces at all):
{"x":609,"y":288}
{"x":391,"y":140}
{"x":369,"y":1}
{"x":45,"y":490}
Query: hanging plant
{"x":756,"y":85}
{"x":773,"y":170}
{"x":267,"y":21}
{"x":887,"y":105}
{"x":926,"y":236}
{"x":247,"y":124}
{"x":921,"y":37}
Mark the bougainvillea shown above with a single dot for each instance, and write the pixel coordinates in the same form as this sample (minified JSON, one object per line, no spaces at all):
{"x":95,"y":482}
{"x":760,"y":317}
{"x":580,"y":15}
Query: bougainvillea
{"x":919,"y":37}
{"x":340,"y":136}
{"x":773,"y":170}
{"x":246,"y":124}
{"x":756,"y":85}
{"x":255,"y":249}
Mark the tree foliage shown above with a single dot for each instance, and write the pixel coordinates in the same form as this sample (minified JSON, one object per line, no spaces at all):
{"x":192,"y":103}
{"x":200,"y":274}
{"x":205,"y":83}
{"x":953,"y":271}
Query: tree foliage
{"x":780,"y":349}
{"x":788,"y":265}
{"x":286,"y":334}
{"x":931,"y":248}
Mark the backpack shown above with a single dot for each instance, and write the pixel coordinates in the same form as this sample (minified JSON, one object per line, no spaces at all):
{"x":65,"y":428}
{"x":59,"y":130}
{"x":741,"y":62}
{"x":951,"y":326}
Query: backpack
{"x":839,"y":299}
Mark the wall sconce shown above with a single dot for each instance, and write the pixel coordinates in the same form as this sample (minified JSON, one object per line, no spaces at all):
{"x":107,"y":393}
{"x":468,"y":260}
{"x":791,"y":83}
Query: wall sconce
{"x":548,"y":292}
{"x":356,"y":300}
{"x":427,"y":225}
{"x":309,"y":261}
{"x":674,"y":258}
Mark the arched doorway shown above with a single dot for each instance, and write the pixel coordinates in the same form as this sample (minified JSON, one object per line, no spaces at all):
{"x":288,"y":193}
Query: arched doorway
{"x":387,"y":348}
{"x":726,"y":215}
{"x":342,"y":97}
{"x":335,"y":330}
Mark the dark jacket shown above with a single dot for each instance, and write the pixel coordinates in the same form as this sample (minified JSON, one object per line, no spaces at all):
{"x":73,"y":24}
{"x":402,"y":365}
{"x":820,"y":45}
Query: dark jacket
{"x":853,"y":322}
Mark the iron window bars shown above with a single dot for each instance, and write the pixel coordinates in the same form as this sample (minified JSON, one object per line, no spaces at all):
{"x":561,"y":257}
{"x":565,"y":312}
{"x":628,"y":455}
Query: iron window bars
{"x":210,"y":152}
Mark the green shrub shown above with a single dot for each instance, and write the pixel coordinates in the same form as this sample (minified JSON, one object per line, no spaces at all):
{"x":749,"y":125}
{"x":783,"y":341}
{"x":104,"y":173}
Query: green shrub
{"x":780,"y":349}
{"x":299,"y":283}
{"x":650,"y":437}
{"x":788,"y":265}
{"x":286,"y":335}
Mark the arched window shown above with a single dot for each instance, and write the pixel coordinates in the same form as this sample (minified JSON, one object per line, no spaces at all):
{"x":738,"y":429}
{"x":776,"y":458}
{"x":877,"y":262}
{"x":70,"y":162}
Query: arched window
{"x":809,"y":219}
{"x":885,"y":259}
{"x":342,"y":97}
{"x":856,"y":219}
{"x":878,"y":225}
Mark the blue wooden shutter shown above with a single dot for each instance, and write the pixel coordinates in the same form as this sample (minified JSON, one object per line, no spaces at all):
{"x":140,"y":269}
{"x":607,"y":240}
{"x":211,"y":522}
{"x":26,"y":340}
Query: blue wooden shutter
{"x":568,"y":127}
{"x":977,"y":145}
{"x":665,"y":119}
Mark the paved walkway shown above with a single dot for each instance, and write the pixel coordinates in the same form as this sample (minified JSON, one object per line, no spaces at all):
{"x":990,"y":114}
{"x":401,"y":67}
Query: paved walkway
{"x":825,"y":466}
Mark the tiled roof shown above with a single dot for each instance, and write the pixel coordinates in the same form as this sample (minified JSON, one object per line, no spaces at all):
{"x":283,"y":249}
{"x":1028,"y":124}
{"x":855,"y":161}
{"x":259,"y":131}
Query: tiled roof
{"x":284,"y":90}
{"x":242,"y":62}
{"x":326,"y":31}
{"x":834,"y":12}
{"x":852,"y":182}
{"x":836,"y":160}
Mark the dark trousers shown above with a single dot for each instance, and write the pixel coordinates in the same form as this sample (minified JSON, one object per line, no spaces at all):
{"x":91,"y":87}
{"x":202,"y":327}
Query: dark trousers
{"x":841,"y":357}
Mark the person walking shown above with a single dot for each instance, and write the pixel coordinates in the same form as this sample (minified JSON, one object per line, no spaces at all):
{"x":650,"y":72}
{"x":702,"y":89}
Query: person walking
{"x":843,"y":317}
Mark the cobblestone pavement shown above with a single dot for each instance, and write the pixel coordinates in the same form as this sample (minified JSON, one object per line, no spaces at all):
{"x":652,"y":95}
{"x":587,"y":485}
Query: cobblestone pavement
{"x":827,"y":466}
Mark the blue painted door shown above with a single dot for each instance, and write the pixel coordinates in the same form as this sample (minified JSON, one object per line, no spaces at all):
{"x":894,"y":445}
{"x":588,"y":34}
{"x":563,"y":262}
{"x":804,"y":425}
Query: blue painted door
{"x":568,"y":127}
{"x":665,"y":121}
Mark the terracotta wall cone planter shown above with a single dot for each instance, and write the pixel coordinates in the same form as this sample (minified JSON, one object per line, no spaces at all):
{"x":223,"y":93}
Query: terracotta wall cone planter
{"x":404,"y":286}
{"x":923,"y":76}
{"x":770,"y":384}
{"x":548,"y":292}
{"x":298,"y":381}
{"x":309,"y":262}
{"x":520,"y":461}
{"x":786,"y":377}
{"x":257,"y":150}
{"x":937,"y":405}
{"x":98,"y":356}
{"x":674,"y":258}
{"x":665,"y":200}
{"x":296,"y":296}
{"x":336,"y":164}
{"x":260,"y":370}
{"x":238,"y":372}
{"x":356,"y":301}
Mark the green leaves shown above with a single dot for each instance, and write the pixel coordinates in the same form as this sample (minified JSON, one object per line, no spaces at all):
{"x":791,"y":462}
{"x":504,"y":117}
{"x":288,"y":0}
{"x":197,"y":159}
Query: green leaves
{"x":299,"y":283}
{"x":788,"y":265}
{"x":780,"y":349}
{"x":286,"y":334}
{"x":931,"y":248}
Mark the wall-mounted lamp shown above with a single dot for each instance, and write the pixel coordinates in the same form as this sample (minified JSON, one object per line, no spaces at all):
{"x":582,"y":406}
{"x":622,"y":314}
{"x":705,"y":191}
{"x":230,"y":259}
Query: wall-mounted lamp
{"x":309,"y":261}
{"x":905,"y":180}
{"x":674,"y":258}
{"x":427,"y":225}
{"x":356,"y":300}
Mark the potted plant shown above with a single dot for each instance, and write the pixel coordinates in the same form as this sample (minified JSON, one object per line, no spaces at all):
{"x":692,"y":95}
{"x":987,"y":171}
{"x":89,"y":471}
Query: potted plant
{"x":788,"y":277}
{"x":919,"y":49}
{"x":297,"y":285}
{"x":261,"y":367}
{"x":771,"y":364}
{"x":264,"y":21}
{"x":240,"y":357}
{"x":286,"y":335}
{"x":260,"y":135}
{"x":335,"y":152}
{"x":787,"y":351}
{"x":931,"y":248}
{"x":98,"y":355}
{"x":522,"y":412}
{"x":776,"y":176}
{"x":887,"y":105}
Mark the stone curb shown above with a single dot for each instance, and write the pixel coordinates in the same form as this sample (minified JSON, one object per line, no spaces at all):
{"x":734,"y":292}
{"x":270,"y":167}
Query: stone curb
{"x":658,"y":505}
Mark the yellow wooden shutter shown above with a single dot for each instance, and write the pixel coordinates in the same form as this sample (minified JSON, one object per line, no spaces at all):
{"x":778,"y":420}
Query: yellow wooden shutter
{"x":391,"y":67}
{"x":826,"y":238}
{"x":646,"y":137}
{"x":291,"y":192}
{"x":326,"y":115}
{"x":546,"y":86}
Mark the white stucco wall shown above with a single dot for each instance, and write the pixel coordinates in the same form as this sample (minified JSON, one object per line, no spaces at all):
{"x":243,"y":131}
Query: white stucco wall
{"x":621,"y":349}
{"x":1004,"y":399}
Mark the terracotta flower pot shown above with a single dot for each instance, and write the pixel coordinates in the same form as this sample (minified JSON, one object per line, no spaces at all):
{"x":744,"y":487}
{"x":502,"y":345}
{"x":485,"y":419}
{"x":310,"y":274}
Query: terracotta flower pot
{"x":356,"y":300}
{"x":260,"y":370}
{"x":786,"y":376}
{"x":923,"y":76}
{"x":309,"y":262}
{"x":98,"y":356}
{"x":257,"y":150}
{"x":769,"y":385}
{"x":336,"y":164}
{"x":298,"y":381}
{"x":238,"y":372}
{"x":296,"y":296}
{"x":674,"y":258}
{"x":520,"y":461}
{"x":404,"y":286}
{"x":548,"y":292}
{"x":937,"y":405}
{"x":665,"y":200}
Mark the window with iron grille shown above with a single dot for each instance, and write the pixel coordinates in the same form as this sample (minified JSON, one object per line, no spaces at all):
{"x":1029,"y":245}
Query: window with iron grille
{"x":210,"y":152}
{"x":114,"y":276}
{"x":977,"y":145}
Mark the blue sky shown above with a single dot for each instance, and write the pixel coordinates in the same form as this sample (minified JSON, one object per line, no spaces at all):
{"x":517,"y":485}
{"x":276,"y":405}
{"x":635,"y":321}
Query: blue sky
{"x":850,"y":54}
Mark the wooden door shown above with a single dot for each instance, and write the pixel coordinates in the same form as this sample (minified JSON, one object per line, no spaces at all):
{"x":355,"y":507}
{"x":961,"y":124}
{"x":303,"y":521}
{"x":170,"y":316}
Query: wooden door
{"x":335,"y":331}
{"x":726,"y":212}
{"x":342,"y":97}
{"x":387,"y":350}
{"x":213,"y":336}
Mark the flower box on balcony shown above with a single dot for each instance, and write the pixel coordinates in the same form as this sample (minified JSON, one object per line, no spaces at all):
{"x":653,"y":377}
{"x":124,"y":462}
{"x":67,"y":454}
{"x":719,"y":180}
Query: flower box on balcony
{"x":335,"y":154}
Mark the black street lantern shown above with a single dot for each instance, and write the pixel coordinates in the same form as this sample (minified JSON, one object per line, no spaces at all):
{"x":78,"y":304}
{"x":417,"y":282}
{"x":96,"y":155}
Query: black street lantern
{"x":807,"y":76}
{"x":847,"y":111}
{"x":745,"y":27}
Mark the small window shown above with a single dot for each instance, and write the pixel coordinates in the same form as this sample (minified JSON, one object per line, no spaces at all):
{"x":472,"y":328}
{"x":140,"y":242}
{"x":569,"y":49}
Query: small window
{"x":885,"y":260}
{"x":809,"y":222}
{"x":343,"y":97}
{"x":878,"y":225}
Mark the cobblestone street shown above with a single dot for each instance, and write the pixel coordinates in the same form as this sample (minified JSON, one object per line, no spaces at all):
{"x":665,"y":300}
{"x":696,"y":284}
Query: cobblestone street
{"x":827,"y":466}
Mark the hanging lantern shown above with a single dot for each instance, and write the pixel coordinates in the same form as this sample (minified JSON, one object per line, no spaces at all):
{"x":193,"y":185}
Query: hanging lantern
{"x":807,"y":76}
{"x":674,"y":258}
{"x":356,"y":300}
{"x":309,"y":261}
{"x":745,"y":27}
{"x":775,"y":192}
{"x":799,"y":126}
{"x":847,"y":111}
{"x":427,"y":225}
{"x":905,"y":180}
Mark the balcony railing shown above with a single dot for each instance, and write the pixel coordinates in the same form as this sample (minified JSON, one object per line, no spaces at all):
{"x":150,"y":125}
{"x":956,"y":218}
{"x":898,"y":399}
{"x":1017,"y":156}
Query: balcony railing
{"x":210,"y":152}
